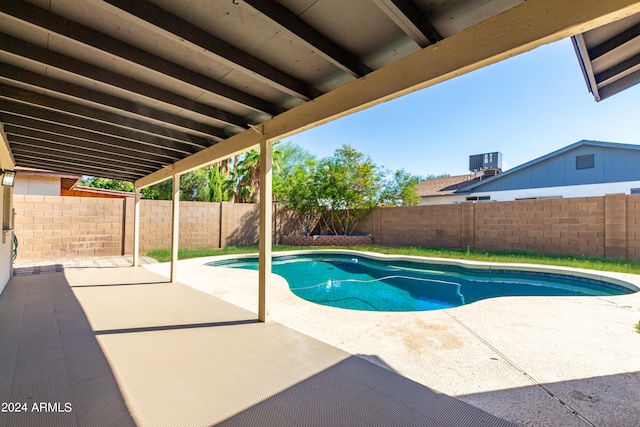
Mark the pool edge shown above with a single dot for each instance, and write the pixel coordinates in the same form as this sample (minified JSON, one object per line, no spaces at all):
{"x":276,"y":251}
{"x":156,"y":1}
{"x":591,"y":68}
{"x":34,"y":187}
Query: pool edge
{"x":618,"y":279}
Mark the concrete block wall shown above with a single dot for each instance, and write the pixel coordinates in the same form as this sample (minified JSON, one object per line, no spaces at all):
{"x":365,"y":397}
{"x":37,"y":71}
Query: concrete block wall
{"x":58,"y":226}
{"x":199,"y":225}
{"x":437,"y":225}
{"x":615,"y":225}
{"x":55,"y":226}
{"x":606,"y":226}
{"x":633,"y":226}
{"x":563,"y":226}
{"x":240,"y":224}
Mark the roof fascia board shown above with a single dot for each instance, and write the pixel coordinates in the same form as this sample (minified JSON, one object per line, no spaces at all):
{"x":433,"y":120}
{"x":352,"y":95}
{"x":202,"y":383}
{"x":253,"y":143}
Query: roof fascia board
{"x":517,"y":30}
{"x":585,"y":63}
{"x":228,"y":148}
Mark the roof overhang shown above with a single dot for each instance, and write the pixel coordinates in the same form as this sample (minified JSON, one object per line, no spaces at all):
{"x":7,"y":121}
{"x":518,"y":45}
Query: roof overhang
{"x":610,"y":56}
{"x":143,"y":90}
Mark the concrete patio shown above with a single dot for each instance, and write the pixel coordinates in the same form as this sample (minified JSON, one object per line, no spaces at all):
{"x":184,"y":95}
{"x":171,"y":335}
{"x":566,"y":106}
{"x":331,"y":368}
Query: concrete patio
{"x":124,"y":347}
{"x":534,"y":361}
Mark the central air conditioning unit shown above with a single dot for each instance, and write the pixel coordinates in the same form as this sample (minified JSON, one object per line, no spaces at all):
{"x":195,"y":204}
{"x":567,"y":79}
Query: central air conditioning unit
{"x":480,"y":162}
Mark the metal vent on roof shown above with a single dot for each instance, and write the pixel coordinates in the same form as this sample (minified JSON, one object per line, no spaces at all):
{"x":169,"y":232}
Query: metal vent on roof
{"x":585,"y":162}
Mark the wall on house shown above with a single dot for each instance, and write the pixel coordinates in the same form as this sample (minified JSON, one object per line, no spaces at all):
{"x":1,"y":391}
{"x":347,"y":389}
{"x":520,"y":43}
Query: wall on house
{"x":605,"y":165}
{"x":6,"y":236}
{"x":567,"y":191}
{"x":442,"y":200}
{"x":37,"y":185}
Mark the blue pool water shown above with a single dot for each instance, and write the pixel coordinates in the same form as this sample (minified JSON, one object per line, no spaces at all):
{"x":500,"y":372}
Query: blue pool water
{"x":359,"y":283}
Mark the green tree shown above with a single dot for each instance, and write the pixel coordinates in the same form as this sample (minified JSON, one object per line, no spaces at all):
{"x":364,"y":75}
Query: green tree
{"x":106,"y":183}
{"x":349,"y":185}
{"x":402,"y":189}
{"x":289,"y":156}
{"x":194,"y":186}
{"x":297,"y":190}
{"x":244,"y":179}
{"x":216,"y":183}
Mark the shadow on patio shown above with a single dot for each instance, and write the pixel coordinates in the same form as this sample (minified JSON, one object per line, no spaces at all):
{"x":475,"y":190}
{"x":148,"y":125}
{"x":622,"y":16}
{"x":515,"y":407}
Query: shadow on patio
{"x":606,"y":400}
{"x":123,"y":347}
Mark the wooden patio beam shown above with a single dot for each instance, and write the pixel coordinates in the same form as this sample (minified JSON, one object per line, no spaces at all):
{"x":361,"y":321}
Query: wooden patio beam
{"x":515,"y":31}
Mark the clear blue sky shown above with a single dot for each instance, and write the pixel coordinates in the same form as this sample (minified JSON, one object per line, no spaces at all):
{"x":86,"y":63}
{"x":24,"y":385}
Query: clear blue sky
{"x":523,"y":107}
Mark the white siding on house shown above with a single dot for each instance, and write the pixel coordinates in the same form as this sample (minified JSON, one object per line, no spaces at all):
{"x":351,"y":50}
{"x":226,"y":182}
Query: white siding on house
{"x":442,"y":200}
{"x":37,"y":185}
{"x":6,"y":241}
{"x":5,"y":260}
{"x":587,"y":190}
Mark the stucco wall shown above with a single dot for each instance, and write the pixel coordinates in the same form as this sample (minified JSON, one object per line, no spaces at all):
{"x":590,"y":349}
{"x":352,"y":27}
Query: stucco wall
{"x":6,"y":237}
{"x":37,"y":185}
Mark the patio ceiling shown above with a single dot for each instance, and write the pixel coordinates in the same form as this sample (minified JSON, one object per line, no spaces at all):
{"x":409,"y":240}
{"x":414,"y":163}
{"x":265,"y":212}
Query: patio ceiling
{"x":127,"y":90}
{"x":610,"y":56}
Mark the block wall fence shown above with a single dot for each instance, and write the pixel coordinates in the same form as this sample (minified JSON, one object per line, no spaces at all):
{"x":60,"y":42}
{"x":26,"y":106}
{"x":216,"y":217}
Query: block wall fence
{"x":607,"y":226}
{"x":58,"y":226}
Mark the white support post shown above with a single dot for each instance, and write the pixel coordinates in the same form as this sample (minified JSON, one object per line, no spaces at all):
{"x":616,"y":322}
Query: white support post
{"x":175,"y":224}
{"x":136,"y":227}
{"x":264,"y":260}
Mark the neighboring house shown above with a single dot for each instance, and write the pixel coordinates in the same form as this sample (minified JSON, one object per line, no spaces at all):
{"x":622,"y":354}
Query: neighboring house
{"x":586,"y":168}
{"x":38,"y":182}
{"x":441,"y":191}
{"x":80,"y":191}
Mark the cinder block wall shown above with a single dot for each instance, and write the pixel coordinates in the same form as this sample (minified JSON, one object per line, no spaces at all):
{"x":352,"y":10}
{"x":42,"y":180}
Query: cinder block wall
{"x":633,"y":226}
{"x":199,"y":225}
{"x":606,"y":226}
{"x":436,"y":226}
{"x":59,"y":226}
{"x":563,"y":226}
{"x":54,"y":226}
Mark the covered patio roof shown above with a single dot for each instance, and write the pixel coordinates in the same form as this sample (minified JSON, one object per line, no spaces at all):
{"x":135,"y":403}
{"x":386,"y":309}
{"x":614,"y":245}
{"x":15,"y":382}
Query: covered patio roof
{"x":610,"y":56}
{"x":132,"y":90}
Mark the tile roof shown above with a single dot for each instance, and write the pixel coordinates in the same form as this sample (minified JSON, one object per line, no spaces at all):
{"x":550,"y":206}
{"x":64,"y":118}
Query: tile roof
{"x":446,"y":185}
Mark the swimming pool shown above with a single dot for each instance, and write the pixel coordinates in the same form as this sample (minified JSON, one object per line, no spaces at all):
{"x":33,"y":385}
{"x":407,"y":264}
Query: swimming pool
{"x":357,"y":282}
